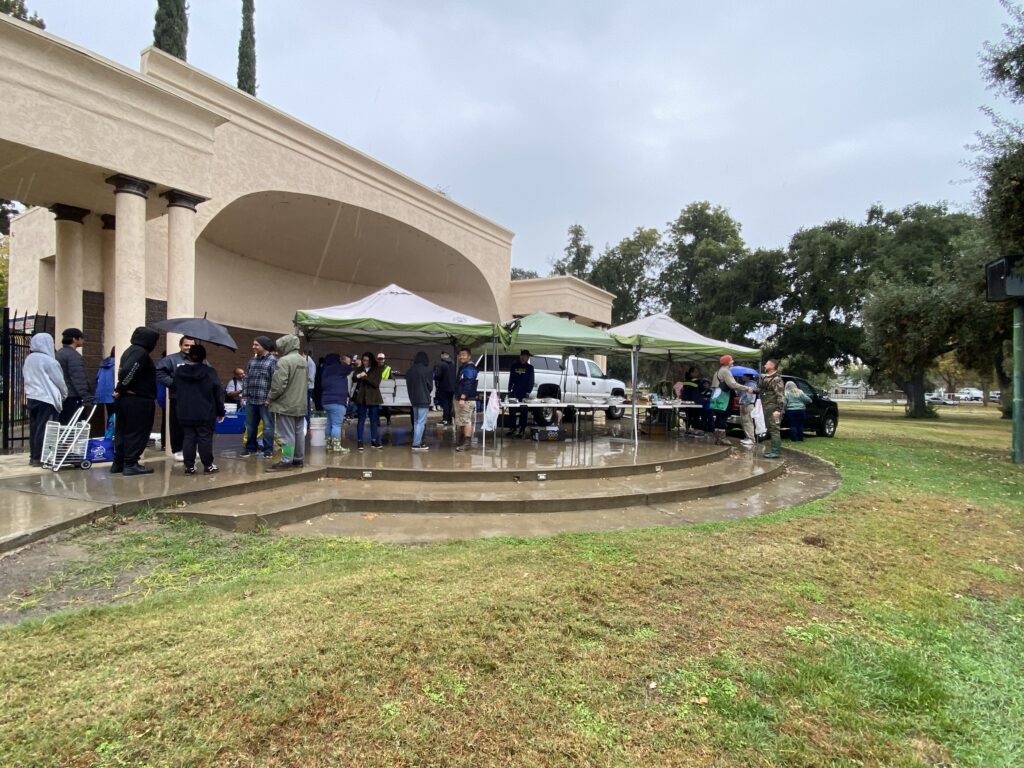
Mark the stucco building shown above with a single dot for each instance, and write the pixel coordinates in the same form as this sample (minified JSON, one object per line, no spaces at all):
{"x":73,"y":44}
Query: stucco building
{"x":168,"y":193}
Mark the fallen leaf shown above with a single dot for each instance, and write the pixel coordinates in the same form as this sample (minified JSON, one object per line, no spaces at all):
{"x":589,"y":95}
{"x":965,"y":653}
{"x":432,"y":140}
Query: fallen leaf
{"x":369,"y":516}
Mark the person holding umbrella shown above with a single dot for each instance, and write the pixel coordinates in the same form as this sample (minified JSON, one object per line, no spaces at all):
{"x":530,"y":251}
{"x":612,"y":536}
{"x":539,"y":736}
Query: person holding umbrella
{"x":165,"y":375}
{"x":200,"y":403}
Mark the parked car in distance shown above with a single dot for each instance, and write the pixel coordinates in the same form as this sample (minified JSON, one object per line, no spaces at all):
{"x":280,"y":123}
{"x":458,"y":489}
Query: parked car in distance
{"x":970,"y":394}
{"x":938,"y":399}
{"x":822,"y":413}
{"x":994,"y":396}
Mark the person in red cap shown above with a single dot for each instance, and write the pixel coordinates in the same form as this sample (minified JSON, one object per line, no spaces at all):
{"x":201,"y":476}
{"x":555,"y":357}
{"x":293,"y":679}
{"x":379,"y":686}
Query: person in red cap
{"x":721,"y":385}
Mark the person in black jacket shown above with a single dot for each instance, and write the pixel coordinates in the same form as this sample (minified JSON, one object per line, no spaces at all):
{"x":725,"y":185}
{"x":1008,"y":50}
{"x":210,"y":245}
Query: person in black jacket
{"x":165,"y":375}
{"x":78,"y":384}
{"x":444,"y":385}
{"x":200,"y":403}
{"x":418,"y":380}
{"x":135,"y":398}
{"x":520,"y":385}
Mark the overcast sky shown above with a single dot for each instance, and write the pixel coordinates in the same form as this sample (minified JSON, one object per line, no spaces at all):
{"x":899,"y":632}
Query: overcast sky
{"x":614,"y":114}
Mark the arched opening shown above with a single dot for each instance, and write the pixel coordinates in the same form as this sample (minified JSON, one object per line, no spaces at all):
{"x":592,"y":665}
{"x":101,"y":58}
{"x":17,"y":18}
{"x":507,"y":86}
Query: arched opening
{"x":283,"y":251}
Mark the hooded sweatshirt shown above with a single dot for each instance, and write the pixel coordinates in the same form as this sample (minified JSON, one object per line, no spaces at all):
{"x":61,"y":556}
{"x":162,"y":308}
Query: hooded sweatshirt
{"x":288,"y":384}
{"x":105,"y":381}
{"x":137,"y":374}
{"x":334,"y":380}
{"x":419,"y":381}
{"x":200,"y":395}
{"x":44,"y":378}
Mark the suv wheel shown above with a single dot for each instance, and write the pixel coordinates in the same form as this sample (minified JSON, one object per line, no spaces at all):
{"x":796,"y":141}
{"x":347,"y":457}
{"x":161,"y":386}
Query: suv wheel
{"x":615,"y":412}
{"x":828,"y":425}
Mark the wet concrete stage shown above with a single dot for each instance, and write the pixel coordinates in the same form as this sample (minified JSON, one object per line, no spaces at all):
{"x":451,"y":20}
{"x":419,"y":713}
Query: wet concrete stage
{"x":609,"y":475}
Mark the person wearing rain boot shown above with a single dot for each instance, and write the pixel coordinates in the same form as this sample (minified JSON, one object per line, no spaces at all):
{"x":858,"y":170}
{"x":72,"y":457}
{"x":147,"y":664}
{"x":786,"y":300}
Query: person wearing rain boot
{"x":771,"y":389}
{"x":334,"y":397}
{"x":722,"y":385}
{"x":287,"y":401}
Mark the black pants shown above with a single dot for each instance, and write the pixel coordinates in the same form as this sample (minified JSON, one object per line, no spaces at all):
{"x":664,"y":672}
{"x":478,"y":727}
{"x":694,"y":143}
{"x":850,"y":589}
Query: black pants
{"x":445,"y":399}
{"x":38,"y":414}
{"x":131,"y":428}
{"x":721,"y":419}
{"x":71,"y":404}
{"x":201,"y":436}
{"x":795,"y":418}
{"x":177,"y":433}
{"x":517,"y":418}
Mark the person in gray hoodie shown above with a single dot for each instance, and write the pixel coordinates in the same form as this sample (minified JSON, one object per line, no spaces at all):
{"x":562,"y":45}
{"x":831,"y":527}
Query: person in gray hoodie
{"x":45,"y":390}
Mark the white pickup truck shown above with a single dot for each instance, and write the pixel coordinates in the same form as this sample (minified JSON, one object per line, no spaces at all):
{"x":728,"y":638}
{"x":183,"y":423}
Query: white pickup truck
{"x":579,"y":381}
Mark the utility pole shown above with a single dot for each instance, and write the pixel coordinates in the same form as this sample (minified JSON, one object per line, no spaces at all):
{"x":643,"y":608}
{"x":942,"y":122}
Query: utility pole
{"x":1018,"y":382}
{"x":1004,"y":281}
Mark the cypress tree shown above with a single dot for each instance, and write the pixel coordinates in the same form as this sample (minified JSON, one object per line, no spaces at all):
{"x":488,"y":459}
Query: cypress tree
{"x":247,"y":49}
{"x":170,"y":33}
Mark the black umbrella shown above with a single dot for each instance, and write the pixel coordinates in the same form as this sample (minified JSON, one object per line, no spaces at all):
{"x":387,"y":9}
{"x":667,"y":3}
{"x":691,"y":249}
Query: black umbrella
{"x":198,"y":328}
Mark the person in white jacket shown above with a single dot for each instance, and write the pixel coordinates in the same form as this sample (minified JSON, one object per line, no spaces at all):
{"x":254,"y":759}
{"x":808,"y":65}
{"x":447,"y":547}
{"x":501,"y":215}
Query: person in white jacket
{"x":45,"y":390}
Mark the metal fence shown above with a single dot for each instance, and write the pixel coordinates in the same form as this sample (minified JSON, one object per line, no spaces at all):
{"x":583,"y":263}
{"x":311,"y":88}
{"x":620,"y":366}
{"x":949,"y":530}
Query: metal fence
{"x":14,"y":348}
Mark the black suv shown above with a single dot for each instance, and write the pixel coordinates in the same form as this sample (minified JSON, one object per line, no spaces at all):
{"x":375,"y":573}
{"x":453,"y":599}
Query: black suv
{"x":822,"y":413}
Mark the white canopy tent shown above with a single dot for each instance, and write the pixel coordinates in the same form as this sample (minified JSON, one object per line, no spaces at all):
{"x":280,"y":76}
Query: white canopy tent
{"x":398,"y":316}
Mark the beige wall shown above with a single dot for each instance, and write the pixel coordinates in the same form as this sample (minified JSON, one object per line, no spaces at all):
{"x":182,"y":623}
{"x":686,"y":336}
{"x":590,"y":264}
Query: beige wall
{"x":71,"y":118}
{"x":562,"y":294}
{"x":260,"y":149}
{"x":33,"y":237}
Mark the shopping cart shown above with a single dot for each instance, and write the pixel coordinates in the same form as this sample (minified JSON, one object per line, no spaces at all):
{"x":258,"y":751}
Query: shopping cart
{"x":67,"y":444}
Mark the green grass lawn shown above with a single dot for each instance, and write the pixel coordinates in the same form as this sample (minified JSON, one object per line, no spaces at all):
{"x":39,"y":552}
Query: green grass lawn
{"x":883,"y":625}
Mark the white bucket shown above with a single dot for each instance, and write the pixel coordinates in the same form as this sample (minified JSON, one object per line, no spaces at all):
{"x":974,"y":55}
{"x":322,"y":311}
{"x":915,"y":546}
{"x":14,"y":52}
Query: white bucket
{"x":317,"y":431}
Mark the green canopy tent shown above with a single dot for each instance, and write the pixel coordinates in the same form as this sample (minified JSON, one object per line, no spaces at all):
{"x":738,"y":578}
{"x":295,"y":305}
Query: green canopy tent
{"x":547,"y":334}
{"x":660,"y":336}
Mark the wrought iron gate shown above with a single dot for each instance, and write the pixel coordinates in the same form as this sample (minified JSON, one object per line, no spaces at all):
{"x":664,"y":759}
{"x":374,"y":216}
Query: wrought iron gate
{"x":14,"y":348}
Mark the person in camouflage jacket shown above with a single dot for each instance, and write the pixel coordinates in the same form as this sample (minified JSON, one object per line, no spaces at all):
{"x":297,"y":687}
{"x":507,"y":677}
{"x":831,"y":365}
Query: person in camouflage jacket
{"x":771,"y":388}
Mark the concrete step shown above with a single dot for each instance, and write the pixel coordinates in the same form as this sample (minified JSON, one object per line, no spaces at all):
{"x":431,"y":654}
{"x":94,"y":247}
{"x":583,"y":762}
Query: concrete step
{"x":301,"y":501}
{"x":449,"y":467}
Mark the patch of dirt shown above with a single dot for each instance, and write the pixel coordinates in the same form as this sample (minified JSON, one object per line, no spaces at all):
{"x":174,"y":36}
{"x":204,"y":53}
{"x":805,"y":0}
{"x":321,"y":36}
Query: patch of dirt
{"x":31,"y":583}
{"x":814,"y":540}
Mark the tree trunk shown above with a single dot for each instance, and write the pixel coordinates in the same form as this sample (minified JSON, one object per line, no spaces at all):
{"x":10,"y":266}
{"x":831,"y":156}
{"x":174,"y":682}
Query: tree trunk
{"x":916,"y":406}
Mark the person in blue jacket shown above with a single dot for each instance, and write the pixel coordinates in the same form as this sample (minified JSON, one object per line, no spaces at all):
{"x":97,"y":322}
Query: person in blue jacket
{"x":105,"y":388}
{"x":334,"y":397}
{"x":465,"y":401}
{"x":520,"y":385}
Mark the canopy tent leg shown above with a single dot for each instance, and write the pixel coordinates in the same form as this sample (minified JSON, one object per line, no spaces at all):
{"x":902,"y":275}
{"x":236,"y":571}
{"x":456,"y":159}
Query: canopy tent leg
{"x":633,"y":358}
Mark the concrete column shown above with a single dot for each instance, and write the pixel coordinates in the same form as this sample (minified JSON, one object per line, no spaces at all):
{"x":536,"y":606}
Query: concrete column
{"x":107,"y":270}
{"x":181,"y":253}
{"x":67,"y":282}
{"x":129,"y":257}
